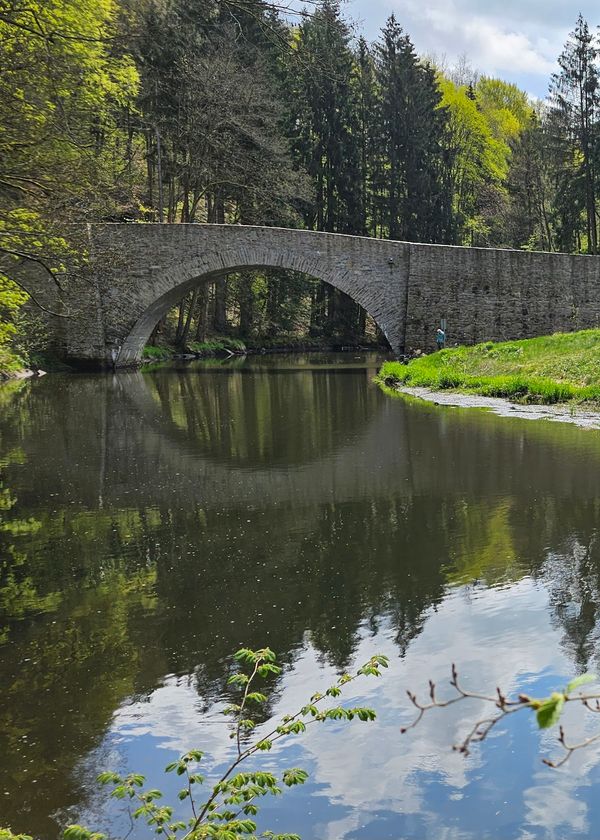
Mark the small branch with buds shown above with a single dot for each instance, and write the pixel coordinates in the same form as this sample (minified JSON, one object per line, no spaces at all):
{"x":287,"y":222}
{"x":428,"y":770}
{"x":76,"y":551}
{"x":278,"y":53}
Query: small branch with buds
{"x":547,"y":711}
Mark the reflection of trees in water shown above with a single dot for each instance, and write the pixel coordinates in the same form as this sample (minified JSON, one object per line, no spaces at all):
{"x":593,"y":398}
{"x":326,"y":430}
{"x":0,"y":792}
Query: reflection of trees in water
{"x":122,"y":623}
{"x":572,"y":577}
{"x":99,"y":602}
{"x":263,"y":417}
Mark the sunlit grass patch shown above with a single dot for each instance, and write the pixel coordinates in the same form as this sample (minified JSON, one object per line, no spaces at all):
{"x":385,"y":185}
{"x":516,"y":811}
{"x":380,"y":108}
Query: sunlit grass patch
{"x":550,"y":369}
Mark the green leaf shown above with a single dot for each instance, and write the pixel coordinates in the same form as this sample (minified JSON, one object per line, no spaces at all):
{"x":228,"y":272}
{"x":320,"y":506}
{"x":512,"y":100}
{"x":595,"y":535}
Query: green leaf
{"x":268,"y":668}
{"x":244,"y":655}
{"x":550,"y":710}
{"x":582,"y":679}
{"x":238,"y":679}
{"x":295,"y":776}
{"x":109,"y":778}
{"x":78,"y":832}
{"x":257,"y":697}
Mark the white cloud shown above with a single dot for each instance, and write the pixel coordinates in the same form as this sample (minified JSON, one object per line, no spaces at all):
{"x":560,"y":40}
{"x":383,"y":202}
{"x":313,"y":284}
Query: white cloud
{"x":517,"y":39}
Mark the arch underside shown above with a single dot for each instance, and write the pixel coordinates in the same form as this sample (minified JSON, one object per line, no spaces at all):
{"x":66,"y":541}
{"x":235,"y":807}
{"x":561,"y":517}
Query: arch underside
{"x":177,"y":282}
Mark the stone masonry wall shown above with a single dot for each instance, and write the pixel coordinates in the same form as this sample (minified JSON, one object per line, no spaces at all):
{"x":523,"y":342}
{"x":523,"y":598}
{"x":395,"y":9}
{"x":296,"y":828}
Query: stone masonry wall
{"x":492,"y":294}
{"x":136,"y":273}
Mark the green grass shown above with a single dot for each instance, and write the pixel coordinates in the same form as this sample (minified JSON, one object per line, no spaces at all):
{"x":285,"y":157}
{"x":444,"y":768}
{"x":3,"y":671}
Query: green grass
{"x":557,"y":368}
{"x":156,"y":354}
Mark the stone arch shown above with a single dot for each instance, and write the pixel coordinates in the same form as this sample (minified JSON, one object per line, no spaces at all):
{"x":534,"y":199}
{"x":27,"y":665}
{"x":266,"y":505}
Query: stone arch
{"x":174,"y":282}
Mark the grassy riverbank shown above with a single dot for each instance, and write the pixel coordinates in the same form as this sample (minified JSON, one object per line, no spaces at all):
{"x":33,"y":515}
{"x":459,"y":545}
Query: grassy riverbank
{"x":557,"y":368}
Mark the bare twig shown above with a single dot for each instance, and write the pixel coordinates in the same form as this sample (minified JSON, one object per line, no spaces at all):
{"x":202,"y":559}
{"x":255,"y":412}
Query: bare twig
{"x":505,"y":707}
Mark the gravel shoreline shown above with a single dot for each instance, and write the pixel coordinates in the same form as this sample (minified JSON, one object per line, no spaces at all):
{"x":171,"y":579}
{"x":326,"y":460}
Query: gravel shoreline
{"x":561,"y":413}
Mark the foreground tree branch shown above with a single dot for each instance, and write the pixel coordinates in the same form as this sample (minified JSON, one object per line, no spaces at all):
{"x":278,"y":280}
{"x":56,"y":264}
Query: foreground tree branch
{"x":547,"y":711}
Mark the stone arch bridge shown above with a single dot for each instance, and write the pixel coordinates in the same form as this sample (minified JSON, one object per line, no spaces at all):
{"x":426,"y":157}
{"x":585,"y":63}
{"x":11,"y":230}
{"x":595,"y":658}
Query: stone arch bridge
{"x":137,"y":272}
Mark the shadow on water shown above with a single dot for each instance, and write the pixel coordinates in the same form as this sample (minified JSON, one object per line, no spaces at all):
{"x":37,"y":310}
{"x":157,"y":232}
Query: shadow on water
{"x":153,"y":522}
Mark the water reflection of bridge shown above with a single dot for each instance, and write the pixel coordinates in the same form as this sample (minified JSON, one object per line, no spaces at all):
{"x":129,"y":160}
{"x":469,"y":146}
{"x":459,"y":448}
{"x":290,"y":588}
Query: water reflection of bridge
{"x":385,"y":450}
{"x":140,"y":451}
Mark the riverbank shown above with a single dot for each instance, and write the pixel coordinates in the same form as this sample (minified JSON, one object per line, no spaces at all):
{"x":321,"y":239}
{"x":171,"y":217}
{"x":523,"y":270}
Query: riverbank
{"x":584,"y":415}
{"x":560,"y":368}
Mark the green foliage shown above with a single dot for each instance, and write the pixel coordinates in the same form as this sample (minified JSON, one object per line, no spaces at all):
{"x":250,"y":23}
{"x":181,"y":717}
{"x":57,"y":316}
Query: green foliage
{"x":62,"y":85}
{"x":156,"y":354}
{"x":413,"y":199}
{"x":573,"y":133}
{"x":550,"y":710}
{"x":559,"y":368}
{"x":582,"y":679}
{"x":225,"y":811}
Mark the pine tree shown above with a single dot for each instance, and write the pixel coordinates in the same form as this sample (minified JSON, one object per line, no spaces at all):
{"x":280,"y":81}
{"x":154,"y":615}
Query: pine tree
{"x":412,"y":200}
{"x":575,"y":99}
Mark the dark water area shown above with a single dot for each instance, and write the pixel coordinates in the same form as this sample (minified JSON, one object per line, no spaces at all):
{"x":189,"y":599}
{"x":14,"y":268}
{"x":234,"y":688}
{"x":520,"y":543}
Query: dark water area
{"x":152,"y":522}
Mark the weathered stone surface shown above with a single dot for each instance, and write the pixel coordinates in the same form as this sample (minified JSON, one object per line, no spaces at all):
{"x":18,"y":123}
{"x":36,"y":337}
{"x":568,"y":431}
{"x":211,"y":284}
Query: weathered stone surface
{"x":136,"y":273}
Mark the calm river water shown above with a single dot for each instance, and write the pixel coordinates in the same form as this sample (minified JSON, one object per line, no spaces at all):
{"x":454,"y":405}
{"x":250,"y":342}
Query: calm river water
{"x":153,"y":522}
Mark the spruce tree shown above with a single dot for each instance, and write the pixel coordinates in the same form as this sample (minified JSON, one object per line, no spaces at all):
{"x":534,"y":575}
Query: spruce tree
{"x":412,"y":200}
{"x":575,"y":102}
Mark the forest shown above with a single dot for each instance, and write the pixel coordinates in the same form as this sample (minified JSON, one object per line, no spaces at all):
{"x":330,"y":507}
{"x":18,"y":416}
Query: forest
{"x":245,"y":112}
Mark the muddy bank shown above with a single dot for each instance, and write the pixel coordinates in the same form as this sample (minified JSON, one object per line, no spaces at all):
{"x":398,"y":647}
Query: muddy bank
{"x":561,"y":413}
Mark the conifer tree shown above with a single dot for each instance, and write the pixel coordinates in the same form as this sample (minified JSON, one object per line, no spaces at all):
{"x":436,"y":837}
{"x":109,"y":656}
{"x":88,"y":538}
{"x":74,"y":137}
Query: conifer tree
{"x":413,"y":202}
{"x":575,"y":100}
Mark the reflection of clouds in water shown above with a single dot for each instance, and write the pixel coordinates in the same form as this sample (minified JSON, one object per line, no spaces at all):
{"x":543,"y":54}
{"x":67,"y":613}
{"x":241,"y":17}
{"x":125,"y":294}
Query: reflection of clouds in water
{"x":172,"y":715}
{"x":375,"y":776}
{"x":553,"y":801}
{"x":499,"y":637}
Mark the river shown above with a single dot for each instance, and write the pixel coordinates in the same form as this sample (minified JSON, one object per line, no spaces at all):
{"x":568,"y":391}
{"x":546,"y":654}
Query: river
{"x":152,"y":522}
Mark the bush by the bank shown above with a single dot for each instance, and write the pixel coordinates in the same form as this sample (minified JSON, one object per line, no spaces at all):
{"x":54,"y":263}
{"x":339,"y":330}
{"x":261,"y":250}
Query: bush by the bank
{"x":10,"y":363}
{"x":558,"y":368}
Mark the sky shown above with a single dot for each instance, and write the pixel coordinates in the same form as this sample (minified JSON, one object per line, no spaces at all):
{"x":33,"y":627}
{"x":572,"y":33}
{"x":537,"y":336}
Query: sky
{"x":517,"y":40}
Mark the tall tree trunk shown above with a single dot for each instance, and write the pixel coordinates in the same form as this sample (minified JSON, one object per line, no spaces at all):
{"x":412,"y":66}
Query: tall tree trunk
{"x":246,"y":304}
{"x":220,"y":321}
{"x":180,"y":321}
{"x":188,"y":321}
{"x":161,"y":201}
{"x":202,"y":309}
{"x":273,"y":304}
{"x":149,"y":169}
{"x":362,"y":323}
{"x":331,"y":308}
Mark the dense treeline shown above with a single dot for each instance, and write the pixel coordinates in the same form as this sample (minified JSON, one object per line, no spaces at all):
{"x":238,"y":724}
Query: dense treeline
{"x":215,"y":111}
